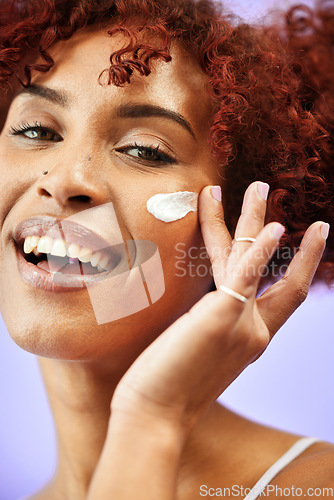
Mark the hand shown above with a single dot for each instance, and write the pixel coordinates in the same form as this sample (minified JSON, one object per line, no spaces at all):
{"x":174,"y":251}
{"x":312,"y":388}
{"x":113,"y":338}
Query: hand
{"x":198,"y":356}
{"x":191,"y":363}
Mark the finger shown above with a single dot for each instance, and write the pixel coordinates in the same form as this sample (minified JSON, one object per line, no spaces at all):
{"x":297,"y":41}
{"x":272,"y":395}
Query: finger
{"x":216,"y":236}
{"x":251,"y":219}
{"x":253,"y":210}
{"x":245,"y":276}
{"x":279,"y":301}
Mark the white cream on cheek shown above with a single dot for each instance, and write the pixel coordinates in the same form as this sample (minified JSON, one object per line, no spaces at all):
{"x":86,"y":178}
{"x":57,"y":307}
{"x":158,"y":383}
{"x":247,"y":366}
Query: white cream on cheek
{"x":169,"y":207}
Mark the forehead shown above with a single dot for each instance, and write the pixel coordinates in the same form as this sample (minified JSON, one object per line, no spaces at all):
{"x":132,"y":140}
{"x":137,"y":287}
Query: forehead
{"x":179,"y":84}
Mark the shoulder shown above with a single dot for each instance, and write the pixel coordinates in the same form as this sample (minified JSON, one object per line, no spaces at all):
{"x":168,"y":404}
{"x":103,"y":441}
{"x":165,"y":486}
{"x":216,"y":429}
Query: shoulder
{"x":312,"y":472}
{"x":254,"y":448}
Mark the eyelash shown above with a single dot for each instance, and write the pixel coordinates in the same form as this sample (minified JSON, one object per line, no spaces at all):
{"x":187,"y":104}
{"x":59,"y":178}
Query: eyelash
{"x":163,"y":157}
{"x":24,"y":127}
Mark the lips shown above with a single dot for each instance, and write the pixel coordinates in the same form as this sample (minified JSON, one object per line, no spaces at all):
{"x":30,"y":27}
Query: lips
{"x":72,"y":233}
{"x":58,"y":228}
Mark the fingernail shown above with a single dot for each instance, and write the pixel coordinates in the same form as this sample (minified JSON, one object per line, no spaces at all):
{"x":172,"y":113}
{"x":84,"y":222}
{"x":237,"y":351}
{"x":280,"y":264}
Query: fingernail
{"x":325,"y":230}
{"x":216,"y":193}
{"x":277,"y":231}
{"x":263,"y":190}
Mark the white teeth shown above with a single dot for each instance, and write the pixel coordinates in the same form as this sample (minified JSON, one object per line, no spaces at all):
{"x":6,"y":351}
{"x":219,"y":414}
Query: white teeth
{"x":59,"y":248}
{"x":45,"y":244}
{"x":30,"y":243}
{"x":95,"y":259}
{"x":85,"y":255}
{"x":104,"y":262}
{"x":102,"y":269}
{"x":36,"y":252}
{"x":73,"y":251}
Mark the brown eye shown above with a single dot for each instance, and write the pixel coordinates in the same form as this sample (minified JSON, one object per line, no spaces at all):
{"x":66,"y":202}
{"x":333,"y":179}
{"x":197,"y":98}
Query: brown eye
{"x":148,"y":154}
{"x":145,"y":154}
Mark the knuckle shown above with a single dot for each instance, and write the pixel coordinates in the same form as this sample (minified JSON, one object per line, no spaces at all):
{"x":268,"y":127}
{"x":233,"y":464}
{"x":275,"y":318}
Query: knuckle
{"x":215,"y":220}
{"x":260,"y":343}
{"x":253,"y":216}
{"x":252,"y":342}
{"x":297,"y":291}
{"x":301,"y":294}
{"x":256,"y":217}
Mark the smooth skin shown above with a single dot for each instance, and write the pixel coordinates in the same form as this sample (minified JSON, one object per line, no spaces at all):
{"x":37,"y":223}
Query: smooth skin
{"x":134,"y":400}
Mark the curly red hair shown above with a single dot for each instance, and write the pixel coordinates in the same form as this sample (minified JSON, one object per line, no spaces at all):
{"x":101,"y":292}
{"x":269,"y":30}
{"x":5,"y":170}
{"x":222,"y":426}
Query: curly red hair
{"x":309,"y":37}
{"x":261,"y":128}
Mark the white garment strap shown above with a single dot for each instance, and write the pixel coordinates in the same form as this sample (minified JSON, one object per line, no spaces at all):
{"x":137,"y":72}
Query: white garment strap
{"x":293,"y":452}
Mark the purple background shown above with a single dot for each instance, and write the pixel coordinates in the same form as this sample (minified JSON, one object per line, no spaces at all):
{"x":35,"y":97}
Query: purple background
{"x":288,"y":387}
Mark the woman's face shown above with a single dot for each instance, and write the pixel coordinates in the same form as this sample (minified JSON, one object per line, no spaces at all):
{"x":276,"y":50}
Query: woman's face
{"x":91,"y":144}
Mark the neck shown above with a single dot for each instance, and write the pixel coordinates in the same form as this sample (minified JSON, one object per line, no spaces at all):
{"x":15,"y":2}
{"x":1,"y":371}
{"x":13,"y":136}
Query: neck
{"x":80,"y":396}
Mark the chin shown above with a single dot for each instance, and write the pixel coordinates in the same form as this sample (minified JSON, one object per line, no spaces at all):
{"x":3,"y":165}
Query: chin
{"x":75,"y":335}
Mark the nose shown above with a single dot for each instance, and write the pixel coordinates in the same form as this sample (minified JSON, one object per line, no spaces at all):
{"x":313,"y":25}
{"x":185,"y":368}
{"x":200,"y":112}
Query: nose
{"x":77,"y":182}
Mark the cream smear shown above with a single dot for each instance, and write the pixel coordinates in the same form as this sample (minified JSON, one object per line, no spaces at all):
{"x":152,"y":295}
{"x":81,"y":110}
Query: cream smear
{"x":169,"y":207}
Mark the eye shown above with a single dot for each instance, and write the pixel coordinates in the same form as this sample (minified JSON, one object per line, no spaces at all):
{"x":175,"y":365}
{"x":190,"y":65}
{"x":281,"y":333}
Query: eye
{"x":148,"y":154}
{"x":36,"y":132}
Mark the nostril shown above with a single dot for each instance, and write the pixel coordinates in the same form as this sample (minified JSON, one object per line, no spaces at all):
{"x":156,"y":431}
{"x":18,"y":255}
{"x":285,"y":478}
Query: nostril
{"x":81,"y":197}
{"x":44,"y":192}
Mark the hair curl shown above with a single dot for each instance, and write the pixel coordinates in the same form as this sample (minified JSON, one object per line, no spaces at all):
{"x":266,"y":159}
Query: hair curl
{"x":272,"y":120}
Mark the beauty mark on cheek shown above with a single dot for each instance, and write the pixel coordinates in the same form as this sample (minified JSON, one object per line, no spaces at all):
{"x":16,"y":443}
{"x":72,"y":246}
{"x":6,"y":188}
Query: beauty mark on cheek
{"x":169,"y":207}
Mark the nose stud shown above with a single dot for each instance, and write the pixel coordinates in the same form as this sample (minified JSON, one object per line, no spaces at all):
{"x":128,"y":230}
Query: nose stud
{"x":45,"y":172}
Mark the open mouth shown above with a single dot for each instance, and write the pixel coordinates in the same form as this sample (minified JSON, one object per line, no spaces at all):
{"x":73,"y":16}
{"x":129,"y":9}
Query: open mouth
{"x":70,"y":259}
{"x":64,"y":265}
{"x":66,"y":255}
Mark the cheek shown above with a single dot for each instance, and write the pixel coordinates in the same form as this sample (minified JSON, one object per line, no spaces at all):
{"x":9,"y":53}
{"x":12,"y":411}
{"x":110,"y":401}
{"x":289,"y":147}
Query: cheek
{"x":184,"y":259}
{"x":11,"y":191}
{"x":16,"y":176}
{"x":189,"y":265}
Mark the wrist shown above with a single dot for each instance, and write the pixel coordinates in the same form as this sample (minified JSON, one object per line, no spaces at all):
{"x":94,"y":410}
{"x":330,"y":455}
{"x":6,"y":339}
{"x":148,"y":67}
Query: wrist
{"x":130,"y":408}
{"x":149,"y":429}
{"x":140,"y":459}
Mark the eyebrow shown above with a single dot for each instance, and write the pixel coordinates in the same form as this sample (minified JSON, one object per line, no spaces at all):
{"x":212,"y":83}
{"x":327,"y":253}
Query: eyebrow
{"x":54,"y":96}
{"x":148,"y":110}
{"x":124,"y":111}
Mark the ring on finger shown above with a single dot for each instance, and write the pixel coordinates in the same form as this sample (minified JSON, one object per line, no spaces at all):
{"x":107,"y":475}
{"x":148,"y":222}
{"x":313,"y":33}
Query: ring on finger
{"x":244,"y":238}
{"x":233,"y":293}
